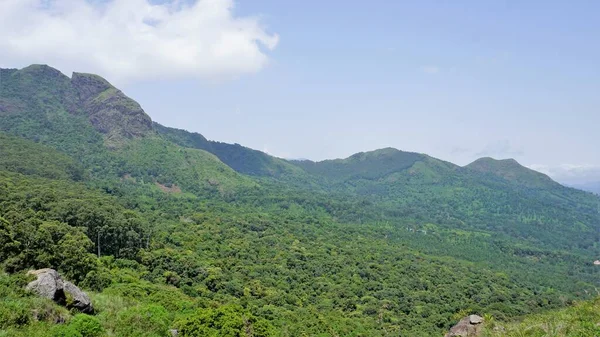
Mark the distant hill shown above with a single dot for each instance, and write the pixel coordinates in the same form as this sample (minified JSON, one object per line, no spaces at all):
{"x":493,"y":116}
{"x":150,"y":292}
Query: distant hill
{"x":512,"y":171}
{"x":364,"y":165}
{"x":240,"y":158}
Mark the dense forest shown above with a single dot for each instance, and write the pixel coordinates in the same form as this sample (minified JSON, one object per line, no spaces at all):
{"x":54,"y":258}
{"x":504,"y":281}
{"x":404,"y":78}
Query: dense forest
{"x":165,"y":229}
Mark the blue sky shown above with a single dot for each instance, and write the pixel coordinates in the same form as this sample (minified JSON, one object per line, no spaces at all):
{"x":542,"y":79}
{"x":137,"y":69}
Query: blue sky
{"x":454,"y":79}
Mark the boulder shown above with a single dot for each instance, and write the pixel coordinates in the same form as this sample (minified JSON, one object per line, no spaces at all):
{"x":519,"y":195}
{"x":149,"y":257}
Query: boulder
{"x":50,"y":285}
{"x":474,"y":319}
{"x":470,"y":326}
{"x":77,"y":299}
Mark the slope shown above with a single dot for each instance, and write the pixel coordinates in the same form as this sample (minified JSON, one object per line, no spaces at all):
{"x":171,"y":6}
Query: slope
{"x":500,"y":197}
{"x":579,"y":320}
{"x":29,"y":158}
{"x":89,"y":119}
{"x":240,"y":158}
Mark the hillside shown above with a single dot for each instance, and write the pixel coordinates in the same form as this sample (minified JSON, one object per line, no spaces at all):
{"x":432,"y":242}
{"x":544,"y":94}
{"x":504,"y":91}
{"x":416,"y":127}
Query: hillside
{"x":87,"y":118}
{"x":218,"y":239}
{"x":240,"y":158}
{"x":579,"y":320}
{"x":498,"y":196}
{"x":511,"y":170}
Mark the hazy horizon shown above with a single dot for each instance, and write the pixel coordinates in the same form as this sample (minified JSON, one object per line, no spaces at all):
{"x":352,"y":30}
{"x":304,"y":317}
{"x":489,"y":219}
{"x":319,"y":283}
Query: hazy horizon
{"x":323,"y":80}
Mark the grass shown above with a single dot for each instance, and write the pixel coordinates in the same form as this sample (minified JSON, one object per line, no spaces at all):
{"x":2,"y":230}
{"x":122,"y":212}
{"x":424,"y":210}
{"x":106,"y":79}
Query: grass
{"x":580,"y":320}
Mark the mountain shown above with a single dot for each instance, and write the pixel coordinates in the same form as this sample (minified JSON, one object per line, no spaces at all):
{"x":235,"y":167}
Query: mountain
{"x":113,"y":114}
{"x":240,"y":158}
{"x":511,"y":170}
{"x":499,"y":196}
{"x":364,"y":165}
{"x":89,"y":119}
{"x":211,"y":238}
{"x":43,"y":94}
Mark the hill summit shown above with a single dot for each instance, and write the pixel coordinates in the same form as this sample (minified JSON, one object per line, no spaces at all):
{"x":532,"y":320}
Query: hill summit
{"x":40,"y":88}
{"x":511,"y":170}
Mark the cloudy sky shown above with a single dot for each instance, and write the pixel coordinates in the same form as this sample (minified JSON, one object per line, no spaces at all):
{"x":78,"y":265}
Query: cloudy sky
{"x":325,"y":79}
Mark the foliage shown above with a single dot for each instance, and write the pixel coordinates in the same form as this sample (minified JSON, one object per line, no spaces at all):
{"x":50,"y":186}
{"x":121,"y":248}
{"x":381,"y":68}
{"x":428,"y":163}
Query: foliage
{"x":579,"y":320}
{"x":225,"y":321}
{"x":141,"y":321}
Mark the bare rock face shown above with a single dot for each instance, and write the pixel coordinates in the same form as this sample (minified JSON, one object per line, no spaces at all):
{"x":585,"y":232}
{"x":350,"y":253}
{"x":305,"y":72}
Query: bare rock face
{"x":110,"y":111}
{"x":50,"y":285}
{"x":470,"y":326}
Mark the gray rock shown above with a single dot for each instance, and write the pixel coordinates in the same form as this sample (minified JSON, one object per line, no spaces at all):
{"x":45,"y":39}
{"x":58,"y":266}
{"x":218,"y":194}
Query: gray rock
{"x":474,"y":319}
{"x":174,"y":332}
{"x":470,"y":326}
{"x":77,"y":298}
{"x":50,"y":285}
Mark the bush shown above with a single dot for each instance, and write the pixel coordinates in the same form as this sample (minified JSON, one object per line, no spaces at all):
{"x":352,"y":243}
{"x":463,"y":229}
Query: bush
{"x":226,"y":321}
{"x":143,"y":321}
{"x":87,"y":326}
{"x":13,"y":314}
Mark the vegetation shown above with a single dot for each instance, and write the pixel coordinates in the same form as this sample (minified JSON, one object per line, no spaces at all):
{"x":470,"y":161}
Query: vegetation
{"x":167,"y":230}
{"x":580,"y":320}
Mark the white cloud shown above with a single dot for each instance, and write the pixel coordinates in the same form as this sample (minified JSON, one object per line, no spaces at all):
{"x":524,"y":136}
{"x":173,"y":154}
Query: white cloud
{"x":430,"y":69}
{"x":134,"y":39}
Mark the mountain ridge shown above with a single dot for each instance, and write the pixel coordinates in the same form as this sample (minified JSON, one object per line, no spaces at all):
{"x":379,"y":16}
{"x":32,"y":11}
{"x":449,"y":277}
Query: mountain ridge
{"x":511,"y":170}
{"x":118,"y":118}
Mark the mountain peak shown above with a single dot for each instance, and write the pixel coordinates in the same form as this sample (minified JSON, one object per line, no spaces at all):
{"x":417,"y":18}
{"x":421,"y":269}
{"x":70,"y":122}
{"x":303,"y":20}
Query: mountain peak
{"x":110,"y":111}
{"x":511,"y":170}
{"x":386,"y":152}
{"x":492,"y":164}
{"x":89,"y":85}
{"x":369,"y":165}
{"x":40,"y":87}
{"x":42,"y":69}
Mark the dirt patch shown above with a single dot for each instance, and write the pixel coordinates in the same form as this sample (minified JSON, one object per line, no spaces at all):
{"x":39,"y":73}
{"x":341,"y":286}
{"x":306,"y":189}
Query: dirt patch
{"x":167,"y":189}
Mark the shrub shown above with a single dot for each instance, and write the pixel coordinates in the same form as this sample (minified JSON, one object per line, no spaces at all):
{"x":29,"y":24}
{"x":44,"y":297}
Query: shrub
{"x":13,"y":314}
{"x":87,"y":326}
{"x":143,"y":321}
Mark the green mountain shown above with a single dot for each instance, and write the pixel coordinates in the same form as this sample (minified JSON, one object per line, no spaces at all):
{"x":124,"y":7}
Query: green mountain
{"x":498,"y":196}
{"x":92,"y":121}
{"x":168,"y":230}
{"x":240,"y":158}
{"x":365,"y":165}
{"x":511,"y":170}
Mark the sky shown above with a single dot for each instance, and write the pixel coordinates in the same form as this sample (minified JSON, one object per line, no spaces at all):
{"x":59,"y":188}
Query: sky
{"x":457,"y":80}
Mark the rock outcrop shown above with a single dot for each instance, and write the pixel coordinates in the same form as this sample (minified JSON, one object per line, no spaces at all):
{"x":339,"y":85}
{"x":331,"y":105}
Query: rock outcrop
{"x":50,"y":285}
{"x":470,"y":326}
{"x":110,"y":111}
